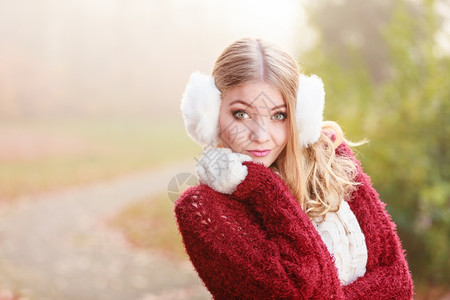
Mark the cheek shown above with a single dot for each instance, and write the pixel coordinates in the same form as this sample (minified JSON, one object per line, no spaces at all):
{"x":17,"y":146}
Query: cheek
{"x":223,"y":128}
{"x":280,"y":134}
{"x":229,"y":131}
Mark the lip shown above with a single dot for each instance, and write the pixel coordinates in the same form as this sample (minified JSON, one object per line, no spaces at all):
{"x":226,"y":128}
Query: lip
{"x":259,"y":153}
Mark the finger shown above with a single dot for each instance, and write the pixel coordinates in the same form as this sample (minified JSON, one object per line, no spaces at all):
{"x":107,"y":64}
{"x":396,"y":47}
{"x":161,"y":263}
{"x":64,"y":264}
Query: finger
{"x":201,"y":172}
{"x":243,"y":157}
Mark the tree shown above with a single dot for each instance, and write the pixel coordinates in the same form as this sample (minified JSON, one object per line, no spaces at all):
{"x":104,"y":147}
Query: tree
{"x":406,"y":115}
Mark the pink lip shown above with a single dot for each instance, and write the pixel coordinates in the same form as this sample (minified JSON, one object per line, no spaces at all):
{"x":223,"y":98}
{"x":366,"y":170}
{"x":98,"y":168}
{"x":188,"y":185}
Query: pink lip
{"x":259,"y":153}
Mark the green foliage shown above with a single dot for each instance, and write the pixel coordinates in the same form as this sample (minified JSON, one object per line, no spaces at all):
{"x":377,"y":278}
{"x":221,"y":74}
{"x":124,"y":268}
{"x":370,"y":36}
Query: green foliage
{"x":407,"y":118}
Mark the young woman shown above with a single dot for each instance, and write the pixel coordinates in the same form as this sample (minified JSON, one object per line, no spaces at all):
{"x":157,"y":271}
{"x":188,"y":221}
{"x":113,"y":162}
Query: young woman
{"x":284,"y":210}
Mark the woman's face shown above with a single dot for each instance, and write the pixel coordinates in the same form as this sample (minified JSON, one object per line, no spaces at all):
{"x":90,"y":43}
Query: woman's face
{"x":253,"y":121}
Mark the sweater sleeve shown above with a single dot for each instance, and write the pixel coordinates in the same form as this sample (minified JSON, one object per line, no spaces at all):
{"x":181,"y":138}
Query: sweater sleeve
{"x":387,"y":275}
{"x":256,"y":243}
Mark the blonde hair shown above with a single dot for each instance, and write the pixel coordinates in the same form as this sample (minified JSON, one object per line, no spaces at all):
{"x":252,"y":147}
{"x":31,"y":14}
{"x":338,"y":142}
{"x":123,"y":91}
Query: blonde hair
{"x":315,"y":175}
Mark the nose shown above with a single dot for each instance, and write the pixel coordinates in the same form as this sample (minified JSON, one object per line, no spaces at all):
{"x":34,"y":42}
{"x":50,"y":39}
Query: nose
{"x":259,"y":132}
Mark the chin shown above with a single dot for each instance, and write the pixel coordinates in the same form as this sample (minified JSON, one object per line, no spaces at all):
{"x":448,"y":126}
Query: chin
{"x":266,"y":162}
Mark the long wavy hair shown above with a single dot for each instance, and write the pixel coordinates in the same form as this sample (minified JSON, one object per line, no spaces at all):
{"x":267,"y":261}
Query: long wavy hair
{"x":315,"y":175}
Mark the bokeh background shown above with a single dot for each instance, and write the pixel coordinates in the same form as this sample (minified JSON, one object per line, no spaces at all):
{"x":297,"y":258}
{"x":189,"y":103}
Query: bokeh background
{"x":90,"y":91}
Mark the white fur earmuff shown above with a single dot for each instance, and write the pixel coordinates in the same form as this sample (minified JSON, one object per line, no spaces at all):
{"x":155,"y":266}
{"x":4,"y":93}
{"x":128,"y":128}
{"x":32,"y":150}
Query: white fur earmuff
{"x":309,"y":112}
{"x":200,"y":107}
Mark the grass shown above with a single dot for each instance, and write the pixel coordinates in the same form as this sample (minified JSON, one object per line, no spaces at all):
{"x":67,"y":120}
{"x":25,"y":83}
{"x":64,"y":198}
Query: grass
{"x":150,"y":224}
{"x":42,"y":155}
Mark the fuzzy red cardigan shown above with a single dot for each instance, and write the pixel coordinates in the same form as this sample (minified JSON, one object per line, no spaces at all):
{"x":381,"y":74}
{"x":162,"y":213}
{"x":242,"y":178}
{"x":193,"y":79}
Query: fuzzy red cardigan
{"x":258,"y":244}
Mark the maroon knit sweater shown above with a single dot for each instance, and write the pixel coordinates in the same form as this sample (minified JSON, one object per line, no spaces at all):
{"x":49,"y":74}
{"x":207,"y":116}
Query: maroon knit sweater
{"x":258,"y":244}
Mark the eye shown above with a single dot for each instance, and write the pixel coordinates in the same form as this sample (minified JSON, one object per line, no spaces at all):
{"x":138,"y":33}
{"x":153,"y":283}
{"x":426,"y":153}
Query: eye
{"x":279,"y":116}
{"x":241,"y":115}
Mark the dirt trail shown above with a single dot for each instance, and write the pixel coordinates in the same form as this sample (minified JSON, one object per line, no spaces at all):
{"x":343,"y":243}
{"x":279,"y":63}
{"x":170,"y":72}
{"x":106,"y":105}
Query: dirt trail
{"x":55,"y":246}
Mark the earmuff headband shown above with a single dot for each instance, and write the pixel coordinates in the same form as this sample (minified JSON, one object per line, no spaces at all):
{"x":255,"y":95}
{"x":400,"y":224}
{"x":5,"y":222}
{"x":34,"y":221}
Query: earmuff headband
{"x":200,"y":106}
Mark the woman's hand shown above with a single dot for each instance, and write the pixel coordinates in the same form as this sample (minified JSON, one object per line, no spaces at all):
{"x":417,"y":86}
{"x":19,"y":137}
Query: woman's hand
{"x":221,"y":169}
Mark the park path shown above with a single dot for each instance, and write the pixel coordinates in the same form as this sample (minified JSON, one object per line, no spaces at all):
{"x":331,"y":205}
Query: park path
{"x":56,"y":247}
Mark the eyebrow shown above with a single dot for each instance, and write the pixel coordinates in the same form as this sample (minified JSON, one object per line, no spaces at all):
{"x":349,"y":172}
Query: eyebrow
{"x":250,"y":105}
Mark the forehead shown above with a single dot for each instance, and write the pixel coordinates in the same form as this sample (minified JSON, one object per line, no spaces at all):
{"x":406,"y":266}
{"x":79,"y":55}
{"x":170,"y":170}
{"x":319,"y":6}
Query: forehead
{"x":254,"y":93}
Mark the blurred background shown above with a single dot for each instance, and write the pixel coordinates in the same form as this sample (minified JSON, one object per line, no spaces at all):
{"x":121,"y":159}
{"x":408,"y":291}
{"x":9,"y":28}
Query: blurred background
{"x":90,"y":92}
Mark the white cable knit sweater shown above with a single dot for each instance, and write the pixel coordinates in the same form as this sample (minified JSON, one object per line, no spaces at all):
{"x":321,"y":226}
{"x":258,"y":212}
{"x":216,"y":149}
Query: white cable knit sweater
{"x":345,"y":241}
